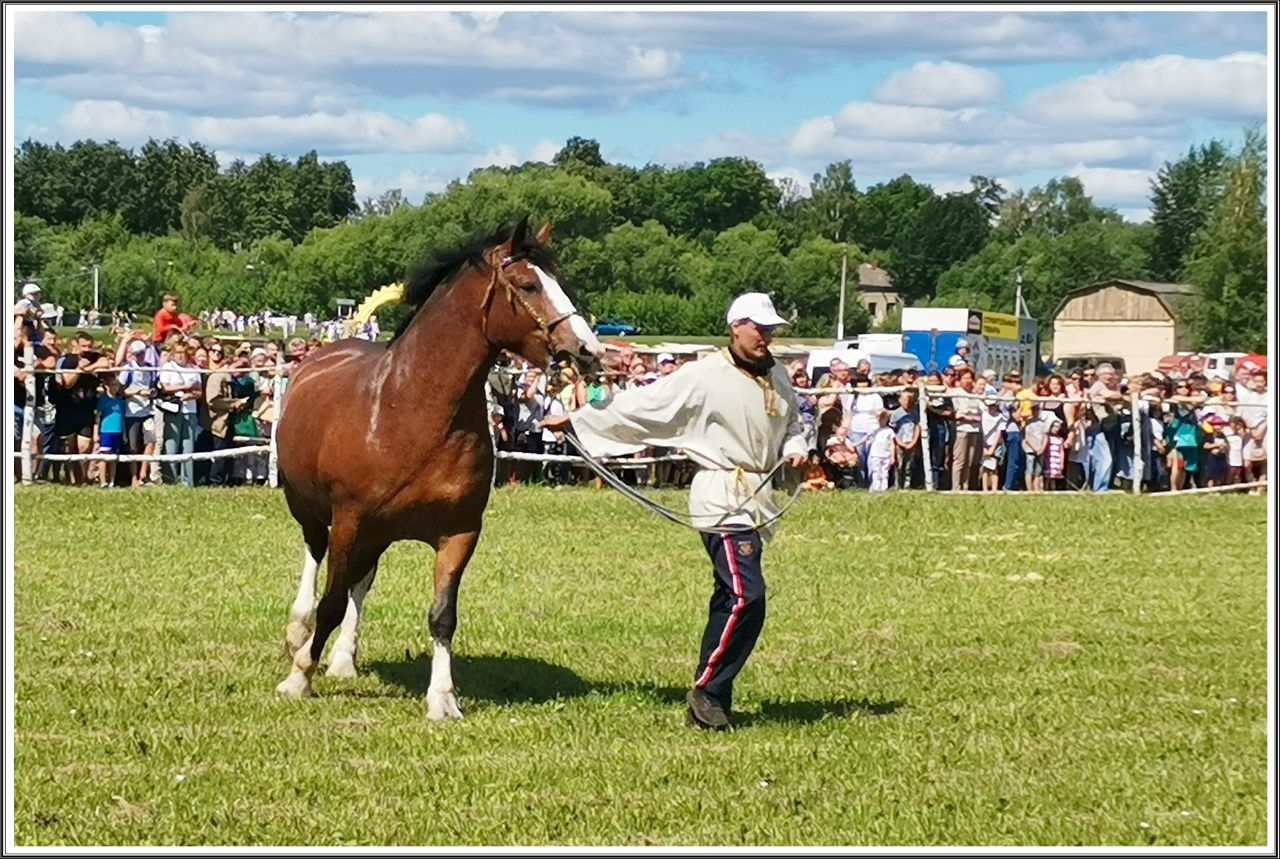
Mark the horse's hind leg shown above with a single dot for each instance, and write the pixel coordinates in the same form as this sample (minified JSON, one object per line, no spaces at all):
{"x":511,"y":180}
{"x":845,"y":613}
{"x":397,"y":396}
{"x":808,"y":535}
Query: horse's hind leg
{"x":342,"y":658}
{"x":452,"y":555}
{"x":302,"y":619}
{"x":348,"y":563}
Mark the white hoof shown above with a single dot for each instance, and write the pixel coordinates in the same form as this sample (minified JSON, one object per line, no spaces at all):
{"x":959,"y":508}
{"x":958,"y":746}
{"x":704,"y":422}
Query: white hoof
{"x":442,"y":706}
{"x":298,"y":633}
{"x":295,"y":687}
{"x":342,"y":665}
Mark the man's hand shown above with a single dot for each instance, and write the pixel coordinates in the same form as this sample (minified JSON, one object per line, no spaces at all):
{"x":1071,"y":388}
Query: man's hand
{"x":555,"y":422}
{"x":797,"y":460}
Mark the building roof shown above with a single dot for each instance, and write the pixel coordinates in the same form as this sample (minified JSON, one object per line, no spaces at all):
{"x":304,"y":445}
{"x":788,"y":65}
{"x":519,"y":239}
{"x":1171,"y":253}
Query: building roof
{"x":1165,"y":293}
{"x":871,"y":276}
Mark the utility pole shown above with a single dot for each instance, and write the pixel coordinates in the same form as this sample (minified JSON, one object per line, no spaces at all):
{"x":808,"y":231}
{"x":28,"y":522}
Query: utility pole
{"x":95,"y":286}
{"x":844,"y":267}
{"x":1019,"y":306}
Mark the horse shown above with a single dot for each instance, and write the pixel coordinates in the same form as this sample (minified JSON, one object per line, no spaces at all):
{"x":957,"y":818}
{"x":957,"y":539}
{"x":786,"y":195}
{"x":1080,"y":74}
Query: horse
{"x":384,"y":442}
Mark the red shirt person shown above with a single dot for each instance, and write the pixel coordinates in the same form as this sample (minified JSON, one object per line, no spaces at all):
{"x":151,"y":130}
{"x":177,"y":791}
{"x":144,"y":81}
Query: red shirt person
{"x":167,"y":318}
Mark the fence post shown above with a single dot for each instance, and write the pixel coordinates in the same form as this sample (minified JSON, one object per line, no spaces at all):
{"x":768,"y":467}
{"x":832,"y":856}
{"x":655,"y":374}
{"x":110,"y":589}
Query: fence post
{"x":29,"y":413}
{"x":922,"y":403}
{"x":278,"y":395}
{"x":1136,"y":420}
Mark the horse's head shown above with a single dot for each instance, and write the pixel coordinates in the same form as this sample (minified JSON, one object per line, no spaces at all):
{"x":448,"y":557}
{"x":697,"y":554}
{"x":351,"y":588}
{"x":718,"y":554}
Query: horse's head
{"x":526,"y":310}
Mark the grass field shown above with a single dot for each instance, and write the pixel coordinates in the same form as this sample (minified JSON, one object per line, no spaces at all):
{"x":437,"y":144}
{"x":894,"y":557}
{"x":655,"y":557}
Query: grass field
{"x":934,"y":671}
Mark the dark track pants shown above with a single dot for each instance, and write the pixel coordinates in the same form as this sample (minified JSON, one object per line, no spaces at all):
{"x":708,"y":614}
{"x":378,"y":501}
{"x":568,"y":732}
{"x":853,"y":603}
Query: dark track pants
{"x":736,"y":613}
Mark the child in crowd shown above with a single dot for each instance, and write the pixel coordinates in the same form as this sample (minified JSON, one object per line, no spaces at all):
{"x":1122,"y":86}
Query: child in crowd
{"x":1055,"y":455}
{"x":1235,"y":435}
{"x":1213,"y":459}
{"x":110,"y":425}
{"x":993,"y":424}
{"x":881,"y":452}
{"x":815,"y":478}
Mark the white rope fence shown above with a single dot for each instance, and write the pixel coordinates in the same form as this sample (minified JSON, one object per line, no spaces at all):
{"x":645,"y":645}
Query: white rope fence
{"x":924,"y":392}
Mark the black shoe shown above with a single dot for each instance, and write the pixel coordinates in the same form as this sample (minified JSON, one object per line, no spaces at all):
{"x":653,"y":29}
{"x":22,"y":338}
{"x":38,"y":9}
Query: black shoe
{"x":705,"y":712}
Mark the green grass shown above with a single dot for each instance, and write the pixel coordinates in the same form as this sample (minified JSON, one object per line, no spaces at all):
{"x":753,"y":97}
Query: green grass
{"x":915,"y":683}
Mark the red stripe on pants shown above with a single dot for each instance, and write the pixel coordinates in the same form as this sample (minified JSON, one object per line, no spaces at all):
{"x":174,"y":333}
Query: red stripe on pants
{"x":730,"y":553}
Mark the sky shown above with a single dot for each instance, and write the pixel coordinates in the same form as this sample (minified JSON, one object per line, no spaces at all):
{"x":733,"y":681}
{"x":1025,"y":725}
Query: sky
{"x":414,"y":97}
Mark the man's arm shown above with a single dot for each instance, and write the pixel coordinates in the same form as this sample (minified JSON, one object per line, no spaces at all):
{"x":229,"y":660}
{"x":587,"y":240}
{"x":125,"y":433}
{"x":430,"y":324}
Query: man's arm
{"x":656,"y":414}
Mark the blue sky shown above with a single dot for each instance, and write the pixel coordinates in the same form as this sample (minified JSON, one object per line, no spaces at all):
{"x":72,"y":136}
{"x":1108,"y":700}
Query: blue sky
{"x":412,"y":97}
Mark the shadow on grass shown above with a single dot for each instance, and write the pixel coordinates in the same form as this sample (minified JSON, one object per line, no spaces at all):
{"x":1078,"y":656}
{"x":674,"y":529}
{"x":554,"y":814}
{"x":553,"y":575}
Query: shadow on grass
{"x":501,"y":679}
{"x":504,"y":679}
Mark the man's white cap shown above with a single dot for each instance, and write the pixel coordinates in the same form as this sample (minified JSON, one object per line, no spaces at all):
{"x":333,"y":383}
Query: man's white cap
{"x":30,"y":288}
{"x":137,"y":346}
{"x":755,"y":306}
{"x":666,"y":358}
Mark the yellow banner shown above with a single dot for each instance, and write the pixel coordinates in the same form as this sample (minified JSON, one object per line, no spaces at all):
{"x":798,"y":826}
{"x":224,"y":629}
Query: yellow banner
{"x":1003,"y":325}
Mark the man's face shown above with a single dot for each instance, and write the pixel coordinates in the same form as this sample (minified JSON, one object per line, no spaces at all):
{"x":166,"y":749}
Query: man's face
{"x":751,"y":340}
{"x":966,"y":381}
{"x":171,"y":305}
{"x":1108,"y":377}
{"x":297,"y":353}
{"x":666,"y":368}
{"x":840,"y":370}
{"x":1258,"y":383}
{"x":83,"y":344}
{"x":864,"y":367}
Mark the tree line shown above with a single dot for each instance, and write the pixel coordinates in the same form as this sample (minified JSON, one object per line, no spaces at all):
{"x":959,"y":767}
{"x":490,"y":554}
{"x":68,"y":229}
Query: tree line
{"x":663,"y":247}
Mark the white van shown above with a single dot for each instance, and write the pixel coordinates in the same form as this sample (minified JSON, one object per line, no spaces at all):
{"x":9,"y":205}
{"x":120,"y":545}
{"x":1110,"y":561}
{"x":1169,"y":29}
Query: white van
{"x":1222,"y":365}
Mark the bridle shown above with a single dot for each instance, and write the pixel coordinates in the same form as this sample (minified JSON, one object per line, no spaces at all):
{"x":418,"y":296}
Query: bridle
{"x":513,"y":295}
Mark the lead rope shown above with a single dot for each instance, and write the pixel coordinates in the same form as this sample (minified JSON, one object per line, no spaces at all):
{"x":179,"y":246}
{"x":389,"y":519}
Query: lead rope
{"x":685,"y":519}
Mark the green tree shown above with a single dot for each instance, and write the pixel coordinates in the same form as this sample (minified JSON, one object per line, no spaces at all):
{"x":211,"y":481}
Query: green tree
{"x":1227,"y":262}
{"x":1183,"y":196}
{"x":831,"y":209}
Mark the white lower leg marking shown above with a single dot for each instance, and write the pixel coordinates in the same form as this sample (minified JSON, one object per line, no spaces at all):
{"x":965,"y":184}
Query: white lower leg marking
{"x":342,"y":659}
{"x":302,"y":619}
{"x":298,"y":683}
{"x":442,"y":703}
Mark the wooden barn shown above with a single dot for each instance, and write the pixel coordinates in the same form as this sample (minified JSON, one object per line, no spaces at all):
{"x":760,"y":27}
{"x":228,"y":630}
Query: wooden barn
{"x":1133,"y":319}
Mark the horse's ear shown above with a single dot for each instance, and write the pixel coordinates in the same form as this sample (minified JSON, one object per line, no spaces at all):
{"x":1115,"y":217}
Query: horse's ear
{"x":544,"y":233}
{"x":518,"y":234}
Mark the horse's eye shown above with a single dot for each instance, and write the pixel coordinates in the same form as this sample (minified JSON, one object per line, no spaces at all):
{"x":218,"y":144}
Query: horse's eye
{"x":528,"y":287}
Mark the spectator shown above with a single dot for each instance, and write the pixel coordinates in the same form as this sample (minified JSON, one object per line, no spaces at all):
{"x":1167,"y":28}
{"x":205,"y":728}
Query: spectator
{"x":1035,"y":444}
{"x":1235,"y":434}
{"x":961,"y":356}
{"x":75,"y":396}
{"x":905,"y":421}
{"x":967,"y":446}
{"x":942,"y":428}
{"x":1213,"y":456}
{"x":1102,"y":432}
{"x":529,"y":411}
{"x":111,"y":408}
{"x":993,"y":424}
{"x":167,"y":318}
{"x":204,"y":434}
{"x":224,"y":402}
{"x":180,"y":389}
{"x":138,"y":381}
{"x":1016,"y":412}
{"x":863,"y":421}
{"x":1055,"y":455}
{"x":43,"y":439}
{"x":881,"y":451}
{"x":1182,"y":436}
{"x":27,"y":314}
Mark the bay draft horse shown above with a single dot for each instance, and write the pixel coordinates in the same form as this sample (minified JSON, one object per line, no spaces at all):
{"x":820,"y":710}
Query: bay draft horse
{"x":378,"y":443}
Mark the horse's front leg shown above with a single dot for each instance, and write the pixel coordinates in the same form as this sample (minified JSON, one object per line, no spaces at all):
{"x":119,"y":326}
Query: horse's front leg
{"x":452,"y":556}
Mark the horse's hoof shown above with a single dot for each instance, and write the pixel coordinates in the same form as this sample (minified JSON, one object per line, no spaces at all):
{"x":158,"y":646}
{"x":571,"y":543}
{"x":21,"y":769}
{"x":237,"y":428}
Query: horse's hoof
{"x":342,"y":665}
{"x":443,"y":706}
{"x":295,"y":687}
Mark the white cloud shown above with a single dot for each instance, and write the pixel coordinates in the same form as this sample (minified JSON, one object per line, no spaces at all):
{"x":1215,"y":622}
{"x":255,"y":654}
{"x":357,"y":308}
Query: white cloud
{"x":944,"y":84}
{"x":112,"y":120}
{"x":1164,"y":88}
{"x":544,"y":151}
{"x":413,"y":184}
{"x":350,"y":132}
{"x":1120,"y":187}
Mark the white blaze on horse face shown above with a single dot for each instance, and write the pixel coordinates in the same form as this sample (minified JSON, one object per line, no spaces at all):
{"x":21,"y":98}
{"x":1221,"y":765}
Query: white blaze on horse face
{"x":563,"y":305}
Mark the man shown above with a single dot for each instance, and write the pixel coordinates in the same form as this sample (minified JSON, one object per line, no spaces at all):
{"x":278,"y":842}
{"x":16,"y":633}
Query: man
{"x":75,"y":396}
{"x":666,"y":364}
{"x":1103,"y":431}
{"x":138,"y":379}
{"x":734,"y":414}
{"x":961,"y":356}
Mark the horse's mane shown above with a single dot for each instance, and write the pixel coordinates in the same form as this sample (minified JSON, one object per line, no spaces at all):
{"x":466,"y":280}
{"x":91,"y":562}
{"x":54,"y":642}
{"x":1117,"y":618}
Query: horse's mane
{"x":441,"y":266}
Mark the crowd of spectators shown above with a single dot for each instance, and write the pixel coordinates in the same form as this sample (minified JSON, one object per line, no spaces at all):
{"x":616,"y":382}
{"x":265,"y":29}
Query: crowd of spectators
{"x":1057,"y":432}
{"x":167,"y":391}
{"x":183,"y":393}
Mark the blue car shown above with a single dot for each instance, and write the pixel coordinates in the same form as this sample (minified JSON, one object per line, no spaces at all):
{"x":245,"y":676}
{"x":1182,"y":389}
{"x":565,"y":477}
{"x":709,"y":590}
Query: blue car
{"x":613,"y":328}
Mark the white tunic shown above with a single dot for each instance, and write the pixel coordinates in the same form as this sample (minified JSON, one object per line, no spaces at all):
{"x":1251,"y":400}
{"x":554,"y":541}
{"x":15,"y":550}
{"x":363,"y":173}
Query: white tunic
{"x":715,"y":413}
